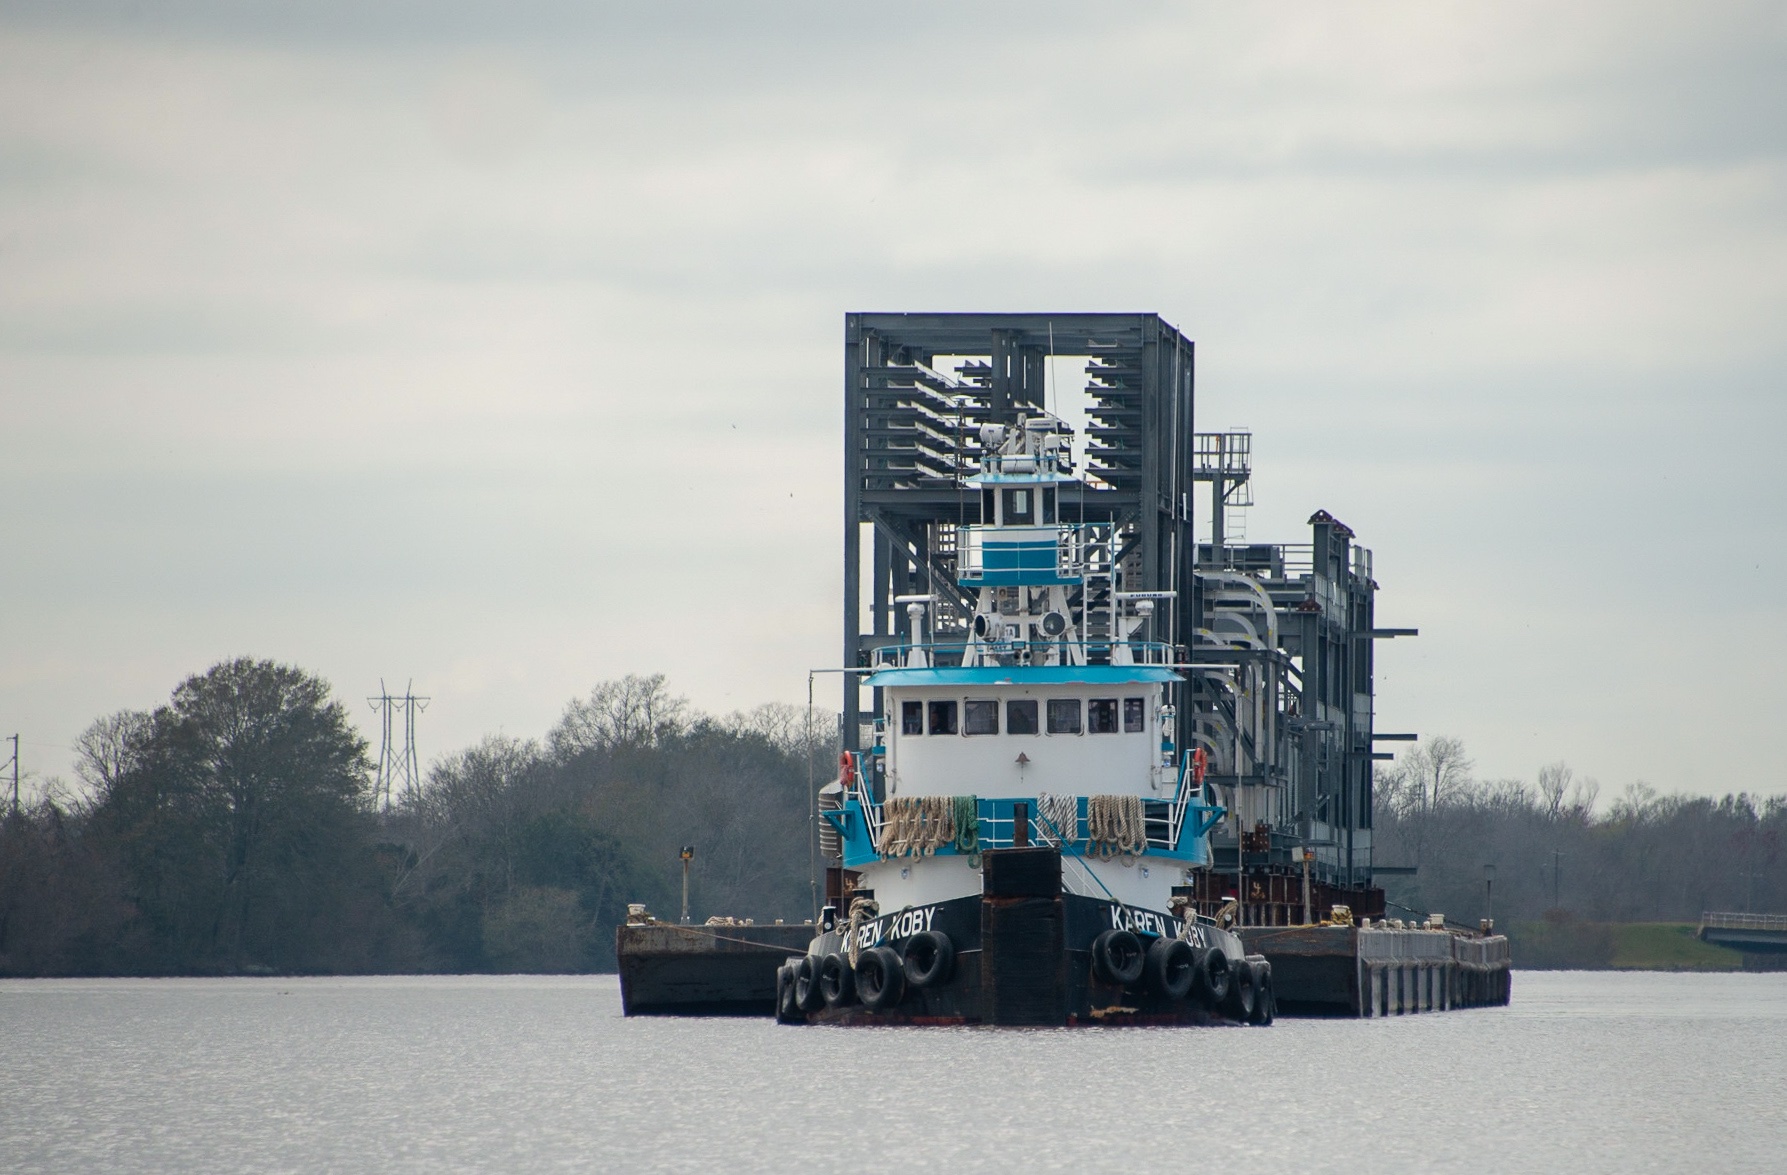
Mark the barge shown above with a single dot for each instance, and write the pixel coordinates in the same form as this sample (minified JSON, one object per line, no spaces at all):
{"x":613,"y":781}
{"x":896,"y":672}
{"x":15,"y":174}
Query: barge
{"x":1053,"y":660}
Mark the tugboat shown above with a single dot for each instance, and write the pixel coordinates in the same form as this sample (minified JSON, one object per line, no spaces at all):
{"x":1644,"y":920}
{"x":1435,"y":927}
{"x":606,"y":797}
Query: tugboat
{"x":1019,"y":842}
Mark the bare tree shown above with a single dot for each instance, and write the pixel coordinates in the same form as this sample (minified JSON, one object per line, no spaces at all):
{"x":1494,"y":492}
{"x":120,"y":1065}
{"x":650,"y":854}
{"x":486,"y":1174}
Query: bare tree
{"x":632,"y":711}
{"x":1583,"y":793}
{"x":1438,"y":771}
{"x":109,"y":748}
{"x":1554,"y":782}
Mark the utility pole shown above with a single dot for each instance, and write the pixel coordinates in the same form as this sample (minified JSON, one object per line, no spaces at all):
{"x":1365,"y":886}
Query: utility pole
{"x":1308,"y":856}
{"x":1489,"y":894}
{"x":688,"y":855}
{"x":399,"y":771}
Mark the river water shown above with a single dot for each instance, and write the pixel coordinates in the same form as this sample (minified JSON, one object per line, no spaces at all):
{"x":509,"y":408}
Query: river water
{"x":1584,"y":1072}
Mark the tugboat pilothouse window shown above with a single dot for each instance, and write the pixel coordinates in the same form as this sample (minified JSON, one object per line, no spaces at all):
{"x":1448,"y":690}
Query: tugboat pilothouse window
{"x":1017,"y":508}
{"x":1020,"y":716}
{"x":1101,"y":716}
{"x":912,"y":717}
{"x":1133,"y":722}
{"x":1064,"y":716}
{"x":980,"y":717}
{"x":943,"y":717}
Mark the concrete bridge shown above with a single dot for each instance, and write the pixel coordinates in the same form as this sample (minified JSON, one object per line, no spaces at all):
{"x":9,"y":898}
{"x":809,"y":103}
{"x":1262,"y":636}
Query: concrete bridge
{"x":1761,"y":937}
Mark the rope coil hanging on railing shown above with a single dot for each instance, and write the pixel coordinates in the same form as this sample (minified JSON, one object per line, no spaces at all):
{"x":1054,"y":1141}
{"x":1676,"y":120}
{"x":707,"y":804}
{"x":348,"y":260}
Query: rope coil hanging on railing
{"x":1059,"y":817}
{"x":1116,"y":827}
{"x":967,"y":831}
{"x":916,"y":826}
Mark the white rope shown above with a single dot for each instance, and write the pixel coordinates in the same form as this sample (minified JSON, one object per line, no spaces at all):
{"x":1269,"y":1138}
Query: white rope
{"x":861,"y":910}
{"x":917,"y":826}
{"x":1060,"y":817}
{"x":1115,"y":827}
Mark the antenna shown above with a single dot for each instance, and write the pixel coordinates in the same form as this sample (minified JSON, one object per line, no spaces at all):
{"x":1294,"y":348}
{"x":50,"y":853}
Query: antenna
{"x":398,"y":769}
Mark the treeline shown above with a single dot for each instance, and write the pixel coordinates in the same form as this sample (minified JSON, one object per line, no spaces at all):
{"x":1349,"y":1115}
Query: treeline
{"x":233,"y":831}
{"x":1549,"y":849}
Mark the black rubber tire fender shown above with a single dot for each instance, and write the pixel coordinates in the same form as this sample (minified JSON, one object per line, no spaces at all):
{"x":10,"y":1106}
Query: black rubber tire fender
{"x":1213,"y":978}
{"x":928,"y":958}
{"x":1265,"y":1005}
{"x":837,"y":980}
{"x":880,"y":978}
{"x":1172,"y":967}
{"x":1239,"y":1004}
{"x":787,"y":1008}
{"x":808,"y":996}
{"x":1117,"y":957}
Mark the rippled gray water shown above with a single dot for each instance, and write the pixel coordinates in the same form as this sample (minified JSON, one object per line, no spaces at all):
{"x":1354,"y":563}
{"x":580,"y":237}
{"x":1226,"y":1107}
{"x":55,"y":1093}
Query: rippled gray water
{"x":1585,"y":1072}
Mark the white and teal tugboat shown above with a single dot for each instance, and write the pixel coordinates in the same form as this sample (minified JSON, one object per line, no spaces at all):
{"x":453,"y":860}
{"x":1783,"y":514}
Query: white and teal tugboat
{"x":1015,"y":837}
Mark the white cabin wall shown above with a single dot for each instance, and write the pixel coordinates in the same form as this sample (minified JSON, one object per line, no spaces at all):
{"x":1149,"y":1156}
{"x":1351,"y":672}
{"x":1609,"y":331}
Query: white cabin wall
{"x":986,"y":765}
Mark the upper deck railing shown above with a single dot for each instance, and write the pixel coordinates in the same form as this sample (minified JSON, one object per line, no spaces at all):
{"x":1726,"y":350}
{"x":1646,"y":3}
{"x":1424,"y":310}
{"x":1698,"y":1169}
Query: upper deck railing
{"x":949,"y":654}
{"x":1166,"y":822}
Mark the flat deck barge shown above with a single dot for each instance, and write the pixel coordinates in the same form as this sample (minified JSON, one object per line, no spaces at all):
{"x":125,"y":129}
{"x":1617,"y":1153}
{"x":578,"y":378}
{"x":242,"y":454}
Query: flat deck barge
{"x":668,"y":969}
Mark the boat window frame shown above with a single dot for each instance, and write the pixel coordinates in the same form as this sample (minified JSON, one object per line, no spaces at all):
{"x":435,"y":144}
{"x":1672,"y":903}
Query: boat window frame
{"x":1104,"y":706}
{"x":936,"y":706}
{"x":1079,"y":715}
{"x":1035,"y":718}
{"x":1139,"y":707}
{"x":972,"y":703}
{"x":912,"y":717}
{"x":1012,"y":514}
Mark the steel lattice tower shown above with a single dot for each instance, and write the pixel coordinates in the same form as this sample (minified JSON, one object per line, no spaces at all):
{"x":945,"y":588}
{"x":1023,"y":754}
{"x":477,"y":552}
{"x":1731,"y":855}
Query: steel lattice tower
{"x":398,"y":770}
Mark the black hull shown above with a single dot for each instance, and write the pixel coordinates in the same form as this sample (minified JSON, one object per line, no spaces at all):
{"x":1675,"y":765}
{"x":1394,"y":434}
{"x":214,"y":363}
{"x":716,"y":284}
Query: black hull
{"x":1022,"y":959}
{"x":671,"y":970}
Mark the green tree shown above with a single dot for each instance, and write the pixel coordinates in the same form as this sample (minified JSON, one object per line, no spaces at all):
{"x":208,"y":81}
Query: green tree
{"x":240,"y":809}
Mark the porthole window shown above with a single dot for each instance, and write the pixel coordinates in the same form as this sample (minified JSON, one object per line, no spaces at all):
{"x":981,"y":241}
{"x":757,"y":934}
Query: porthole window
{"x":912,"y":717}
{"x":1064,"y":716}
{"x":1020,"y":716}
{"x":943,"y":717}
{"x":1101,"y":716}
{"x":1134,"y":716}
{"x":980,"y":717}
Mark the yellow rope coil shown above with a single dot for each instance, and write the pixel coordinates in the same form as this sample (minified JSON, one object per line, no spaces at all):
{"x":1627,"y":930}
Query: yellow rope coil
{"x":1116,"y":827}
{"x":917,"y":826}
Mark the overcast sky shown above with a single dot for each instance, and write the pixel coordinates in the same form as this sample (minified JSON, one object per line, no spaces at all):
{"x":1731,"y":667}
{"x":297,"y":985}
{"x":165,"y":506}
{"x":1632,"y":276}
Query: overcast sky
{"x":499,"y":347}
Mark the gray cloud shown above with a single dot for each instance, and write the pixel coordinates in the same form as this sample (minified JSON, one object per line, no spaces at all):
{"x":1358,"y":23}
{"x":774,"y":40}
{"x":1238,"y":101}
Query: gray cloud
{"x":498,"y":347}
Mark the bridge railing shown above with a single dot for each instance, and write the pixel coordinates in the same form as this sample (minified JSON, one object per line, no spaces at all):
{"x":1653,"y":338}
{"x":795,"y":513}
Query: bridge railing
{"x":1709,"y":921}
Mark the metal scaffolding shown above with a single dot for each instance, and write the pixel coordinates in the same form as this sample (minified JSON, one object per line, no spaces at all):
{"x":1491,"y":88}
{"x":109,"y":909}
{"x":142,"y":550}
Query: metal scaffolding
{"x":1274,"y":640}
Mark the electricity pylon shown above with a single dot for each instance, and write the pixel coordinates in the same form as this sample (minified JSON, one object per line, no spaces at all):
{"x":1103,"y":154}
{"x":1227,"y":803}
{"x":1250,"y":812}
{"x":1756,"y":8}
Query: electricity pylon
{"x":398,"y":772}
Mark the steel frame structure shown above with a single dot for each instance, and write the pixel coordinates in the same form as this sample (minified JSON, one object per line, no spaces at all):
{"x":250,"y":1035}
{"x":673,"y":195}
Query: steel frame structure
{"x":1274,"y":640}
{"x":911,"y":434}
